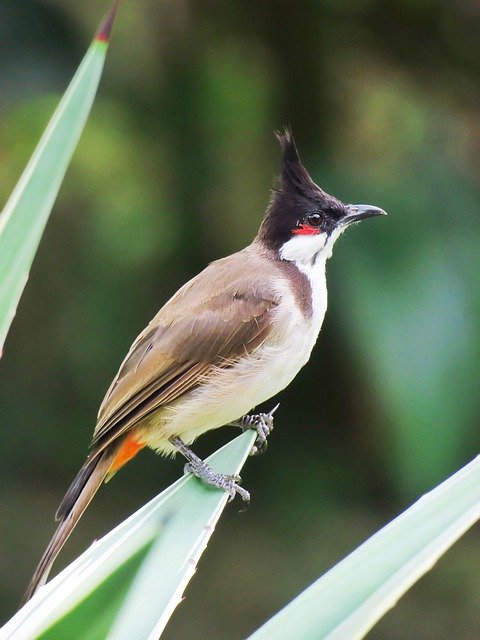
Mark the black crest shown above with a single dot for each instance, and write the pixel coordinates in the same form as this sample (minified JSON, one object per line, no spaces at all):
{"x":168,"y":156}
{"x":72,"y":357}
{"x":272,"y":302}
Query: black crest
{"x":294,"y":178}
{"x":294,"y":195}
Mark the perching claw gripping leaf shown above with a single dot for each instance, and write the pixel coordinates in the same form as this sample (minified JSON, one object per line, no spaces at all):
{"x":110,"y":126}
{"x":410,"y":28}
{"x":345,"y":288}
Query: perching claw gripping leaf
{"x":144,"y":565}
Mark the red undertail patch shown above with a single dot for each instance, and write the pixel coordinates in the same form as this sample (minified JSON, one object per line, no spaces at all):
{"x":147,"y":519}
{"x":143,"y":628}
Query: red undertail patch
{"x":127,"y":451}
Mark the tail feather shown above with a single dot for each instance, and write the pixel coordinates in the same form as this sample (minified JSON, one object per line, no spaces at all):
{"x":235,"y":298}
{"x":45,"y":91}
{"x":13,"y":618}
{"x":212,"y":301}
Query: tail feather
{"x":76,"y":488}
{"x":76,"y":500}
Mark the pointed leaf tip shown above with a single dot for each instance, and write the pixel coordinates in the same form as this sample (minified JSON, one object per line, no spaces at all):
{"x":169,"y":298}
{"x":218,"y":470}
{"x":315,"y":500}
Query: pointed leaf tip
{"x":103,"y":34}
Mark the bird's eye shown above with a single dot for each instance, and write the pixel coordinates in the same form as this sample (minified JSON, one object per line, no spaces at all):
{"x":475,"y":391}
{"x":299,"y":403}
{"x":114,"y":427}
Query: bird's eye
{"x":313,"y":219}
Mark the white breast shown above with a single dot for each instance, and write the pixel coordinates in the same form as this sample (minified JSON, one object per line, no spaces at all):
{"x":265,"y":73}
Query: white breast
{"x":233,"y":392}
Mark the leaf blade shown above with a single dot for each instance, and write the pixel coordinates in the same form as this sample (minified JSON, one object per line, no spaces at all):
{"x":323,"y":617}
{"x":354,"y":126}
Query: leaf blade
{"x":178,"y":552}
{"x":349,"y":599}
{"x":148,"y":527}
{"x":26,"y":213}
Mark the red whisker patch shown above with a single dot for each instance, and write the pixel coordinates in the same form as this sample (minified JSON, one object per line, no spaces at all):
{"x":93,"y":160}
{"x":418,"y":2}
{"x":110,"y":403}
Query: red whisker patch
{"x":306,"y":230}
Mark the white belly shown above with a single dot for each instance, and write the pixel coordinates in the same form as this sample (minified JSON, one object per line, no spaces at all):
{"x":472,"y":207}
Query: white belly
{"x":232,"y":392}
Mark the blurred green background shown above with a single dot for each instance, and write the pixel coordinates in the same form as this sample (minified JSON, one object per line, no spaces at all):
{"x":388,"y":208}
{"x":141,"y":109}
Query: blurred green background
{"x":174,"y":170}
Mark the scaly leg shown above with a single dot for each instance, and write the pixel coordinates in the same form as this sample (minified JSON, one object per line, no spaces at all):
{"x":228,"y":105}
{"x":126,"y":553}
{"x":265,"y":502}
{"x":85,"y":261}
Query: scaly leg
{"x":263,"y":425}
{"x":202,"y":470}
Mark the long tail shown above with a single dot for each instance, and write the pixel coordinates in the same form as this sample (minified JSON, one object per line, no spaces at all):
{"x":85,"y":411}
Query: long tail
{"x":76,"y":500}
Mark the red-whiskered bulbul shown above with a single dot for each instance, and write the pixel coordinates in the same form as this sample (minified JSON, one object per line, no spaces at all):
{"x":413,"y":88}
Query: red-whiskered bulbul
{"x":229,"y":339}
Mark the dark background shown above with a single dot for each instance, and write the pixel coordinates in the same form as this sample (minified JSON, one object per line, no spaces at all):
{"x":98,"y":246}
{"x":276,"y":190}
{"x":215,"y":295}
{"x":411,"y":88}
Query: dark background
{"x":173,"y":170}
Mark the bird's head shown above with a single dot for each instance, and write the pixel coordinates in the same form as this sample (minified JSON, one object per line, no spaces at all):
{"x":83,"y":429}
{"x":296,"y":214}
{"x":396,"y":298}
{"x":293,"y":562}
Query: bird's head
{"x":302,"y":222}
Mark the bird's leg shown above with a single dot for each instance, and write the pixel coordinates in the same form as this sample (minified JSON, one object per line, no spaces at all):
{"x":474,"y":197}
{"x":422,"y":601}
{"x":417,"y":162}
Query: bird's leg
{"x":263,"y":425}
{"x":202,"y":470}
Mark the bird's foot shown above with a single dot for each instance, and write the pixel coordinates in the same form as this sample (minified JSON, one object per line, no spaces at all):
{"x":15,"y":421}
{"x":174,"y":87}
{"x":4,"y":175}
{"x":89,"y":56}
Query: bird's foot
{"x":229,"y":483}
{"x":263,"y":425}
{"x":202,"y":470}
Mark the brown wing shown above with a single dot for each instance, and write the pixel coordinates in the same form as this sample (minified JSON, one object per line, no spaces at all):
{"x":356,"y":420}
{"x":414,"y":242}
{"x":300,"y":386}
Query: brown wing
{"x":194,"y":332}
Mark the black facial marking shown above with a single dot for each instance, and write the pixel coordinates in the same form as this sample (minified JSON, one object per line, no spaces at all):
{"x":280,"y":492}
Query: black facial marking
{"x":296,"y":201}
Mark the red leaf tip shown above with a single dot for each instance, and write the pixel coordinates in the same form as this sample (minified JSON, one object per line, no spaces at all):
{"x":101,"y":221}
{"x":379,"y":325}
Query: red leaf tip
{"x":103,"y":34}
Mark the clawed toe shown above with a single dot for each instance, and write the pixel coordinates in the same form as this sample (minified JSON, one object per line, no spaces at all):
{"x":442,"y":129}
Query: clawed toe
{"x":203,"y":471}
{"x":258,"y":448}
{"x":229,"y":483}
{"x":263,"y":425}
{"x":232,"y":487}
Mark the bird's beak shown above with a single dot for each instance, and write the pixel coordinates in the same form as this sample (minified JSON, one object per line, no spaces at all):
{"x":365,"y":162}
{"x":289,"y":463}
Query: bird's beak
{"x":357,"y":212}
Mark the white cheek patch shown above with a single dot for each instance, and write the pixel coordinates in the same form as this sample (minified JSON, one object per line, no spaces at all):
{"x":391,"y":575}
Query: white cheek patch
{"x":303,"y":248}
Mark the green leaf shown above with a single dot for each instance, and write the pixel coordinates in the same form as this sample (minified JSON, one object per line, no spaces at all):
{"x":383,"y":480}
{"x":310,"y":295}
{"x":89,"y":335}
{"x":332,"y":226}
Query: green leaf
{"x":350,"y":598}
{"x":195,"y":510}
{"x":26,"y":213}
{"x":144,"y":565}
{"x":96,"y":613}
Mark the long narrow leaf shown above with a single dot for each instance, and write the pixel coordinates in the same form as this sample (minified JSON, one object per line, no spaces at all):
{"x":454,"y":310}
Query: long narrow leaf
{"x":26,"y":213}
{"x":160,"y":584}
{"x":346,"y":602}
{"x":149,"y":558}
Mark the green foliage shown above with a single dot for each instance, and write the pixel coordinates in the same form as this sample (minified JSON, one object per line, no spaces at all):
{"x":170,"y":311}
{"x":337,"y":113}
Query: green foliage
{"x":92,"y":618}
{"x":128,"y":584}
{"x":26,"y":213}
{"x":350,"y":598}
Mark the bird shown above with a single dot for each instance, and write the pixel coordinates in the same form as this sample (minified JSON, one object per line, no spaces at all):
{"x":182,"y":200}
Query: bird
{"x":232,"y":337}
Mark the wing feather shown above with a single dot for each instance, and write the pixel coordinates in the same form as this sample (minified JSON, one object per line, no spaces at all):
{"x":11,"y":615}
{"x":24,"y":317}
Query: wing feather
{"x":191,"y":335}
